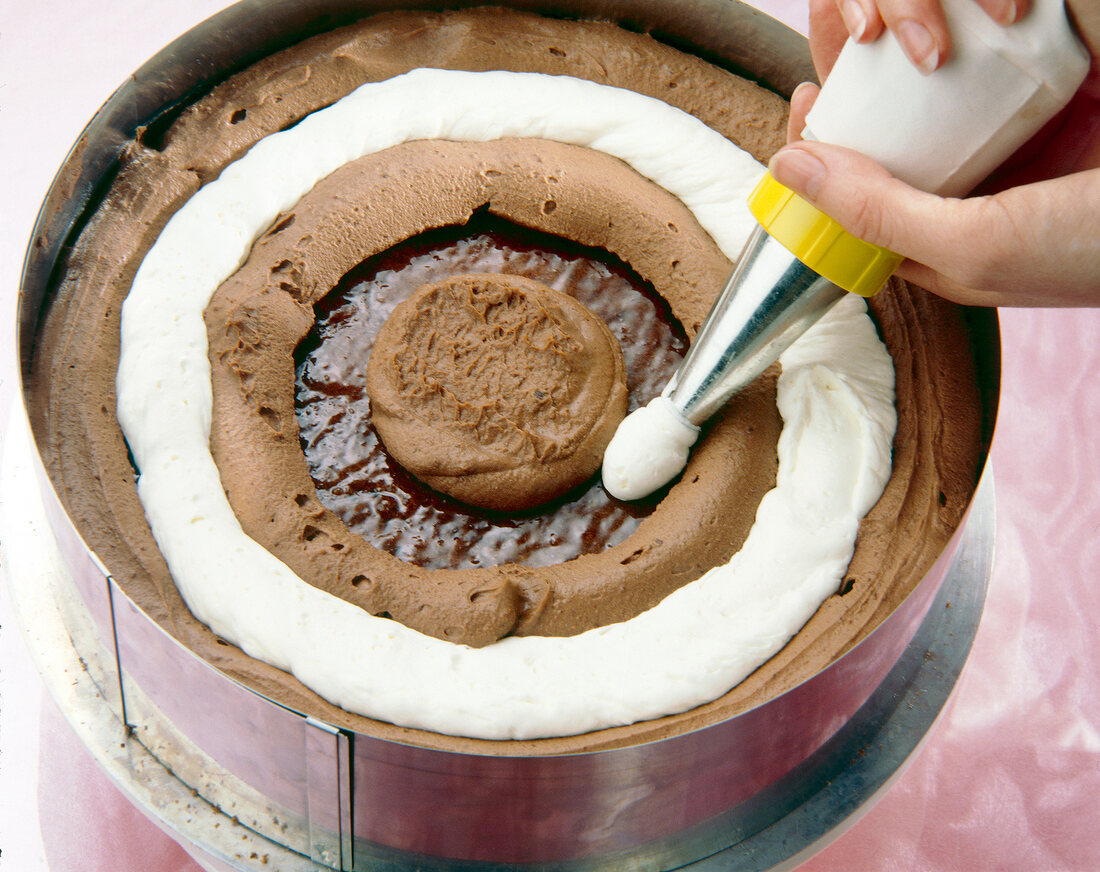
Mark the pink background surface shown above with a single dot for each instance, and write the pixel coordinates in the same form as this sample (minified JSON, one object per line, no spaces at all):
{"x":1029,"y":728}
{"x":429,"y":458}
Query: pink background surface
{"x":1009,"y":779}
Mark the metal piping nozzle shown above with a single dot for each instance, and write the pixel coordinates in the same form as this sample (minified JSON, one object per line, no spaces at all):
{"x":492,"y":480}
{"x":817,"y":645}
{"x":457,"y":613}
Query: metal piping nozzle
{"x":770,"y":299}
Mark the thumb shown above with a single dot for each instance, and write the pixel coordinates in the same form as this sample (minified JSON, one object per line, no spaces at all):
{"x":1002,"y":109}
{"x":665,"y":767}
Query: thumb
{"x":865,"y":199}
{"x":936,"y":234}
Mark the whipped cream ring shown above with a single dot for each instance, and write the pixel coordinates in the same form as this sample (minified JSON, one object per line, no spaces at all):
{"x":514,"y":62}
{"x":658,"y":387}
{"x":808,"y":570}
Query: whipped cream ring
{"x":836,"y":397}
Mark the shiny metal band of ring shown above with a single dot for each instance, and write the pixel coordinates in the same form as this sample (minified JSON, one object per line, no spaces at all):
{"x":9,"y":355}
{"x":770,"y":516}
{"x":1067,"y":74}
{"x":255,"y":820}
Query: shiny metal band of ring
{"x":347,"y":800}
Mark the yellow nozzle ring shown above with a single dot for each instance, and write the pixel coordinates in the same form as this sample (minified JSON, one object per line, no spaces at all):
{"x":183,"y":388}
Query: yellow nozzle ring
{"x":819,"y":241}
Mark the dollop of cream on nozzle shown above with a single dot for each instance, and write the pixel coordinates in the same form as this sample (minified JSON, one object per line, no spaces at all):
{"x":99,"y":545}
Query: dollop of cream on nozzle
{"x":649,"y":449}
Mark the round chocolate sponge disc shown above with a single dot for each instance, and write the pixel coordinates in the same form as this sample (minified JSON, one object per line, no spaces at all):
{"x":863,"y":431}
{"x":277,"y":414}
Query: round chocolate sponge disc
{"x":496,"y":389}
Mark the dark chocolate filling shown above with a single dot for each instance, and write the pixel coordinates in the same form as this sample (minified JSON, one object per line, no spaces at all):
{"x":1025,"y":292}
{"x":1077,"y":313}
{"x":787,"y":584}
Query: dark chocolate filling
{"x":374,"y":496}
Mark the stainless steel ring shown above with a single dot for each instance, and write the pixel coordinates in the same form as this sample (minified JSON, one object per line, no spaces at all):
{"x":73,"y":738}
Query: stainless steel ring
{"x":798,"y":816}
{"x":317,"y":796}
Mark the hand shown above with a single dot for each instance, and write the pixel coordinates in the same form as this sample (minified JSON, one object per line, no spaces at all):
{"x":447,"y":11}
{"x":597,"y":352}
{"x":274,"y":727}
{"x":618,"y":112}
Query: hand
{"x":919,"y":25}
{"x":1031,"y":235}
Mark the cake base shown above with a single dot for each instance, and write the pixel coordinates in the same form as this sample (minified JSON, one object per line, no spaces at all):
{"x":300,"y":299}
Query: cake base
{"x":782,"y":826}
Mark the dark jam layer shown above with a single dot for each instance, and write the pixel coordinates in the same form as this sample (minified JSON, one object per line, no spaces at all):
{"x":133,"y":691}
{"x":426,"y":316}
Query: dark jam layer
{"x":372,"y":494}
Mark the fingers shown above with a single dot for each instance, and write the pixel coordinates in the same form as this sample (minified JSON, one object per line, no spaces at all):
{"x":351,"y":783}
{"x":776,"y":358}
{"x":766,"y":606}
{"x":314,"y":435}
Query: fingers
{"x":861,"y":19}
{"x":1008,"y":249}
{"x":1037,"y":245}
{"x":919,"y":25}
{"x":827,"y":35}
{"x":861,"y":195}
{"x":921,"y":30}
{"x":1034,"y":245}
{"x":801,"y":100}
{"x":1005,"y":12}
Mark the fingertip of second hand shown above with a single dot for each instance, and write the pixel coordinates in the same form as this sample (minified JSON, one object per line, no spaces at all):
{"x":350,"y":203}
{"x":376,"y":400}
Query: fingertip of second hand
{"x":855,"y":19}
{"x":1010,"y":12}
{"x":803,"y":89}
{"x":919,"y":45}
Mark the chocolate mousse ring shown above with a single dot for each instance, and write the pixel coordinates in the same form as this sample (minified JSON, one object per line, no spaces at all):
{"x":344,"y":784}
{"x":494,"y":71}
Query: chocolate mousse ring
{"x":256,"y":319}
{"x":72,"y":392}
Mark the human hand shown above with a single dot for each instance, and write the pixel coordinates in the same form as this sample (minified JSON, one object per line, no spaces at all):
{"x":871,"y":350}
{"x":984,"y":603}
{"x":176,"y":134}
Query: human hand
{"x":1031,"y":236}
{"x":921,"y":28}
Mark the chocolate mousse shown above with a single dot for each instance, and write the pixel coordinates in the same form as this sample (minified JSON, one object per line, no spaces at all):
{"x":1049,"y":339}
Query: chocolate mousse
{"x":496,"y":389}
{"x":258,"y":318}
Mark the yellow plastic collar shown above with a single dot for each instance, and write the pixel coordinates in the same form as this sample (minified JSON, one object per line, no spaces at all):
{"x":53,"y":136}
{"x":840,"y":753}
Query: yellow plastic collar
{"x":819,"y":241}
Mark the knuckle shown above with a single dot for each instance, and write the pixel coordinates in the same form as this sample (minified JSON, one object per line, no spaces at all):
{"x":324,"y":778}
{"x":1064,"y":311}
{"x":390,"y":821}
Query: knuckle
{"x":988,"y":245}
{"x":866,"y":219}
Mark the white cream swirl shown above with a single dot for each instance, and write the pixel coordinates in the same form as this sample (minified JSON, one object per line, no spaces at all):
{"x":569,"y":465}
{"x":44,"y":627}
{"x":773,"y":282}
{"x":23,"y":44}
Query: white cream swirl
{"x":835,"y":395}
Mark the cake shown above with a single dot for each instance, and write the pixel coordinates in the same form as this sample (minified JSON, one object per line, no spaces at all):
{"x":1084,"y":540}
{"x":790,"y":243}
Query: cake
{"x":368,"y":205}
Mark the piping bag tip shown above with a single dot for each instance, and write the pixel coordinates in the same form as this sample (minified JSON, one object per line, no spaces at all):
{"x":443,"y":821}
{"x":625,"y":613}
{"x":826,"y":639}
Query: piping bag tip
{"x":649,"y":449}
{"x":796,"y":265}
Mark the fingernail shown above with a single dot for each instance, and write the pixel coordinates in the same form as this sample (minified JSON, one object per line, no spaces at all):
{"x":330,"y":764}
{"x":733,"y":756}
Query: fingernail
{"x":798,"y":169}
{"x":800,"y":87}
{"x":919,"y":45}
{"x":855,"y":18}
{"x":1010,"y":12}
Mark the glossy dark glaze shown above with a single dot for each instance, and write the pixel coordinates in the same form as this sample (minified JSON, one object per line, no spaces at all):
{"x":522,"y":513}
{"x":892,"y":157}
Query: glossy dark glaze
{"x":356,"y":477}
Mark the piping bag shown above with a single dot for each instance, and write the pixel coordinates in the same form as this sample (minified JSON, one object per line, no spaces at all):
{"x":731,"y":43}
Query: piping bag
{"x":943,"y":133}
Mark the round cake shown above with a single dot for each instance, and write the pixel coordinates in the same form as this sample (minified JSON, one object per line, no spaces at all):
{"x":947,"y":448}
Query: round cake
{"x":471,"y":543}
